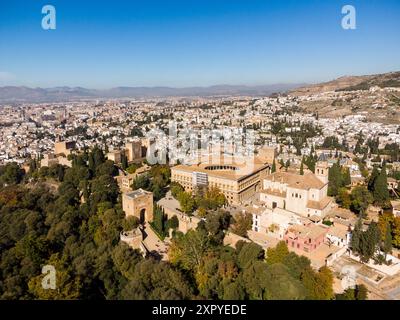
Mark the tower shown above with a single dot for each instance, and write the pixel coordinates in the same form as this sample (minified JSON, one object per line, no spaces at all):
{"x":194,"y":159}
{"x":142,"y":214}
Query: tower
{"x":322,"y":171}
{"x":134,"y":150}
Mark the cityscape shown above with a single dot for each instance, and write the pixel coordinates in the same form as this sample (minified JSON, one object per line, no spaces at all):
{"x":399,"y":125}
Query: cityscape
{"x":288,"y":190}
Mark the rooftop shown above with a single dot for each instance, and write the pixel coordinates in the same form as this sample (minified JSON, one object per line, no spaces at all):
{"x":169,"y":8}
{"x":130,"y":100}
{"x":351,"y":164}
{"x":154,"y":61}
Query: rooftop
{"x":297,"y":181}
{"x":137,"y":193}
{"x":228,"y":167}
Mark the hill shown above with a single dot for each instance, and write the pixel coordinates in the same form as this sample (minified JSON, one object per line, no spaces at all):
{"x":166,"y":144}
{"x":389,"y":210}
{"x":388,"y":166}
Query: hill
{"x":351,"y":83}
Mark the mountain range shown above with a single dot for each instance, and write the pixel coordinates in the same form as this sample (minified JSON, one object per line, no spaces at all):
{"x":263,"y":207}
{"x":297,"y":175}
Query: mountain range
{"x":58,"y":94}
{"x":26,"y":94}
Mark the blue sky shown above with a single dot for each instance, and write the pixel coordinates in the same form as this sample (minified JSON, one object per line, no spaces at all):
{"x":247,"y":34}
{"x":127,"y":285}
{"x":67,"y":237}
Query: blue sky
{"x":102,"y":44}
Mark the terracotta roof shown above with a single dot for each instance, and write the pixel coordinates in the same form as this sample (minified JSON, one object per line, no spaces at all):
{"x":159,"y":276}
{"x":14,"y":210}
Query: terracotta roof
{"x":305,"y":182}
{"x":309,"y":232}
{"x":319,"y":205}
{"x":243,"y":167}
{"x":339,"y":231}
{"x":274,"y":192}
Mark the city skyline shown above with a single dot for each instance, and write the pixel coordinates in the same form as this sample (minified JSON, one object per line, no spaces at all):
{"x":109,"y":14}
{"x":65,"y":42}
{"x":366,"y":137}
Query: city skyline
{"x":180,"y":44}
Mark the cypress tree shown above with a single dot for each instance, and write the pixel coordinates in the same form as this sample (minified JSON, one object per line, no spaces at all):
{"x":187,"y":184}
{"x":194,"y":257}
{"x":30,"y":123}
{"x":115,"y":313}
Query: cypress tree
{"x":346,"y":177}
{"x":124,"y":162}
{"x":369,"y":241}
{"x":302,"y":167}
{"x":335,"y":180}
{"x":273,"y":169}
{"x":380,"y":190}
{"x":387,"y":242}
{"x":372,"y":178}
{"x":287,"y":165}
{"x":282,"y":164}
{"x":355,"y":237}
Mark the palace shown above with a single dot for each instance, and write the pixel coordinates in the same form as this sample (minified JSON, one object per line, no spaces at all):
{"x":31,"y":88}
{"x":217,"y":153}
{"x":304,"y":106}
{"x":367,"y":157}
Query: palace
{"x":238,"y":179}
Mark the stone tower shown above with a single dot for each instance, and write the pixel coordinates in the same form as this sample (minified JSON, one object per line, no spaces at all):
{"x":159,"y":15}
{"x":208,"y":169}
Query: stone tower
{"x":322,"y":170}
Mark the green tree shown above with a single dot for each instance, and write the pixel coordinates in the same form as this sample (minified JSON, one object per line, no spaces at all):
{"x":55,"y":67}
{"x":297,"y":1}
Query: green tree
{"x":242,"y":223}
{"x":124,"y":161}
{"x":273,"y":168}
{"x":173,"y":223}
{"x":361,"y":198}
{"x":67,"y":285}
{"x":346,"y":177}
{"x":187,"y":250}
{"x":154,"y":280}
{"x":186,"y":202}
{"x":380,"y":190}
{"x":343,"y":198}
{"x":277,"y":254}
{"x":248,"y":252}
{"x":356,"y":237}
{"x":335,"y":179}
{"x":302,"y":167}
{"x":11,"y":173}
{"x":387,"y":242}
{"x":176,"y":189}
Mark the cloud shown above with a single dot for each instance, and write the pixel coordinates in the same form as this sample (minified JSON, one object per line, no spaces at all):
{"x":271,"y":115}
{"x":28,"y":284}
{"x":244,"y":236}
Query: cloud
{"x":6,"y":76}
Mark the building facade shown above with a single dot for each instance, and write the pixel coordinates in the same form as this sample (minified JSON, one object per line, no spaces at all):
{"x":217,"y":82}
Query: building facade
{"x":305,"y":195}
{"x":238,"y":182}
{"x":138,"y":203}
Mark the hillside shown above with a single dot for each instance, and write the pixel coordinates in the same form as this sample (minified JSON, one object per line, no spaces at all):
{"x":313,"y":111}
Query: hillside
{"x":352,"y":95}
{"x":351,"y":83}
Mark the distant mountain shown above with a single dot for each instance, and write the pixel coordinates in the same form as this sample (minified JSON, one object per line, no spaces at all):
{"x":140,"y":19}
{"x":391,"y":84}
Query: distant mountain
{"x":351,"y":83}
{"x":26,"y":94}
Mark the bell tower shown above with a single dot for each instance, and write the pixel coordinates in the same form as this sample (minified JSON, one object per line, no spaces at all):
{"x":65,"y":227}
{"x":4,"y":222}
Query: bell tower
{"x":322,"y":171}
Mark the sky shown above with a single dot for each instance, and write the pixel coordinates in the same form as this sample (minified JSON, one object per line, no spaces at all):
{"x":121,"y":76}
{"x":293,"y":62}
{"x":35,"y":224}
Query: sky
{"x":104,"y":44}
